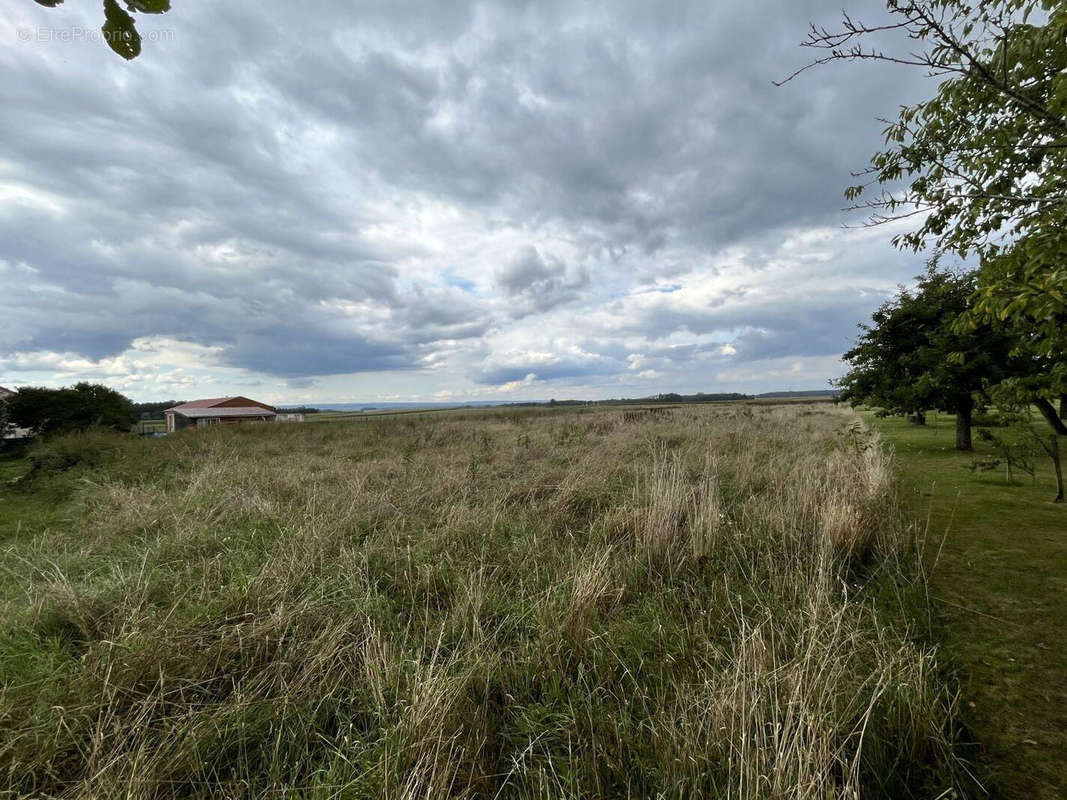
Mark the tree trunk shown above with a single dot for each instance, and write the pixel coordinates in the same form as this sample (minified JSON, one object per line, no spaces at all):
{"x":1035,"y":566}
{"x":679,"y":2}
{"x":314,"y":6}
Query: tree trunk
{"x":1059,"y":469}
{"x":1063,"y":406}
{"x":963,"y":427}
{"x":1050,"y":415}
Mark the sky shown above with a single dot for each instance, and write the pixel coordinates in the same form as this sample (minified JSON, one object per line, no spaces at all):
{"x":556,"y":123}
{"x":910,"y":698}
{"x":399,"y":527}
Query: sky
{"x":425,"y":201}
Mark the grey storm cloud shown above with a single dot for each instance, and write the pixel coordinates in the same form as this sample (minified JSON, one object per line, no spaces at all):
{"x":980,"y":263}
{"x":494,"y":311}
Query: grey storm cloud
{"x":229,"y":187}
{"x":818,"y":324}
{"x":566,"y":366}
{"x":295,"y":351}
{"x":538,"y":283}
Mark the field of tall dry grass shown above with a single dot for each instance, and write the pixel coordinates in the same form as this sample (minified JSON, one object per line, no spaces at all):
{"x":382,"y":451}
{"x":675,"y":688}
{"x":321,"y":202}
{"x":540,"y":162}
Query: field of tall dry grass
{"x":721,"y":602}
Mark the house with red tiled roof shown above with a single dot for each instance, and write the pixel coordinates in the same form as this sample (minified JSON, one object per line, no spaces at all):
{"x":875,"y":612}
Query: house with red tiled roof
{"x":217,"y":411}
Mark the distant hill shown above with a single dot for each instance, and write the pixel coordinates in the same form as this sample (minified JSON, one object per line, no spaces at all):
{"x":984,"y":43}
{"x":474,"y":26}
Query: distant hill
{"x":669,"y":397}
{"x":806,"y":393}
{"x":375,"y":405}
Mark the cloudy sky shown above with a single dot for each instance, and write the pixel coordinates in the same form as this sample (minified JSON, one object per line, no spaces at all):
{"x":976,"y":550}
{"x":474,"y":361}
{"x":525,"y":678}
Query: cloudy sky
{"x":419,"y":200}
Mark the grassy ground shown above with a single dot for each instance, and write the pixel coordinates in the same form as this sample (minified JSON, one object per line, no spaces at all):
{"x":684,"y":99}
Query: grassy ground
{"x":720,"y":602}
{"x":22,"y":513}
{"x":1001,"y":585}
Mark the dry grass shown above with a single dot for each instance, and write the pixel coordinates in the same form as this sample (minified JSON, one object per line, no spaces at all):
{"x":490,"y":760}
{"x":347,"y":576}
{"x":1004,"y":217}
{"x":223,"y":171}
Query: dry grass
{"x":719,"y":603}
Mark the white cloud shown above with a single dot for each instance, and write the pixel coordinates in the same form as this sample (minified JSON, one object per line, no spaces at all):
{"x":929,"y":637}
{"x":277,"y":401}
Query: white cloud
{"x":437,"y":200}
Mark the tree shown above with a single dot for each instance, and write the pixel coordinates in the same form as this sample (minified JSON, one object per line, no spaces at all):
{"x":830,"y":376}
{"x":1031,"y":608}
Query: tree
{"x":1015,"y":409}
{"x":982,"y":164}
{"x":155,"y":410}
{"x":914,"y":357}
{"x":986,"y":156}
{"x":5,"y":417}
{"x":1024,"y":289}
{"x":119,"y":28}
{"x":81,"y":406}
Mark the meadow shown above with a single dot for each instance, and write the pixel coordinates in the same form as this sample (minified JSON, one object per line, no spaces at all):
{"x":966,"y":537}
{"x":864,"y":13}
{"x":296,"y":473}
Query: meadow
{"x":997,"y":572}
{"x":719,"y":601}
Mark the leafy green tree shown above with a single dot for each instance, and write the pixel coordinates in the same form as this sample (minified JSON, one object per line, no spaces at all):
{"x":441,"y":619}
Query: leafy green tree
{"x":5,"y":417}
{"x":982,"y":164}
{"x":81,"y":406}
{"x":1024,"y":289}
{"x":987,"y":154}
{"x":1015,"y":409}
{"x":154,"y":410}
{"x":119,"y":28}
{"x":914,"y":357}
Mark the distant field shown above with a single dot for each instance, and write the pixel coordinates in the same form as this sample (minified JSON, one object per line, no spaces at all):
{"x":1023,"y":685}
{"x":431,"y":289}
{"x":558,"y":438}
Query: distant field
{"x":717,"y":601}
{"x":333,"y":416}
{"x":153,"y":426}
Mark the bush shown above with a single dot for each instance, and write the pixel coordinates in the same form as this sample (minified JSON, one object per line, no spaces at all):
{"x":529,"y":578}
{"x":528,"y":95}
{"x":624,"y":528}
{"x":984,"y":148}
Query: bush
{"x":92,"y":448}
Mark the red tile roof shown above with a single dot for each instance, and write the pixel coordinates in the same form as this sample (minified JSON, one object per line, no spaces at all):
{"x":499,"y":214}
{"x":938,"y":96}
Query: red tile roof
{"x":209,"y":403}
{"x":216,"y":403}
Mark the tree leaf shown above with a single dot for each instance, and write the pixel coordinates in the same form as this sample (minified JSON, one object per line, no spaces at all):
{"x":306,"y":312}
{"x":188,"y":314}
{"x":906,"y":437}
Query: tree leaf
{"x":120,"y":33}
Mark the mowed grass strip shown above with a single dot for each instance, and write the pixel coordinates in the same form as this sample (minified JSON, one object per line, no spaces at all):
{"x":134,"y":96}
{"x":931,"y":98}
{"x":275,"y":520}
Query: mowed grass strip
{"x":717,"y":602}
{"x":1001,"y":584}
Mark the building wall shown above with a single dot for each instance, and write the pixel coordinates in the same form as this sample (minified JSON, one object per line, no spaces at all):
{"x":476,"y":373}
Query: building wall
{"x":176,"y":422}
{"x":207,"y":422}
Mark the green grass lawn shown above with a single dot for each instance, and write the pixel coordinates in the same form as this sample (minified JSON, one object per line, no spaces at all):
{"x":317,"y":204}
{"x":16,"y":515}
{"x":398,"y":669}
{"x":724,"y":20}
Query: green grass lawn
{"x":12,"y":468}
{"x":998,"y":556}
